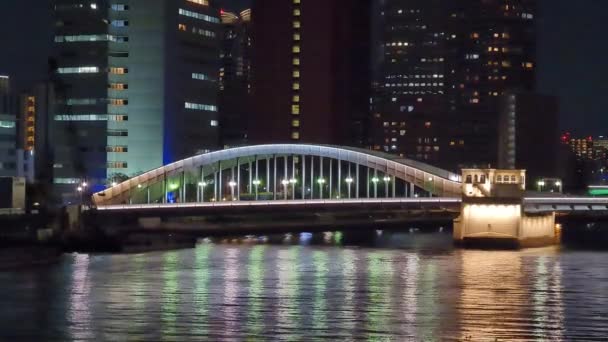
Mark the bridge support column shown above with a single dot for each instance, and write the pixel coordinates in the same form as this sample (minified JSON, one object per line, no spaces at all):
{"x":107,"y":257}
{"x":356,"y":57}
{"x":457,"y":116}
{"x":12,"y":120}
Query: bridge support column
{"x":503,"y":225}
{"x":357,"y":181}
{"x":274,"y":179}
{"x":331,"y":174}
{"x":339,"y":178}
{"x":312,"y":177}
{"x":220,"y":182}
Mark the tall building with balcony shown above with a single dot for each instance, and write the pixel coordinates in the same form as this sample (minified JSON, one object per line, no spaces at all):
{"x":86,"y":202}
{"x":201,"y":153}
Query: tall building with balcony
{"x":235,"y":77}
{"x":310,"y":71}
{"x":443,"y":67}
{"x":136,"y":86}
{"x":9,"y":163}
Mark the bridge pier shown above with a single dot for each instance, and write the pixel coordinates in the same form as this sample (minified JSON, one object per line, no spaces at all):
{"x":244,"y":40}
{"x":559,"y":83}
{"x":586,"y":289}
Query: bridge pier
{"x":492,"y":212}
{"x":503,"y":224}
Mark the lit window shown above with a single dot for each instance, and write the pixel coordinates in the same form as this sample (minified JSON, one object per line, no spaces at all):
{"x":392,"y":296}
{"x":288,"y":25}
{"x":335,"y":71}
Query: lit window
{"x":296,"y":12}
{"x":296,"y":73}
{"x":295,"y":123}
{"x":200,"y":2}
{"x":182,"y":27}
{"x":199,"y":106}
{"x":295,"y":109}
{"x":296,"y":36}
{"x":296,"y":86}
{"x":79,"y":70}
{"x":296,"y":49}
{"x":198,"y":16}
{"x":295,"y":135}
{"x":118,"y":86}
{"x":296,"y":98}
{"x":296,"y":61}
{"x":296,"y":24}
{"x":213,"y":123}
{"x":119,"y":71}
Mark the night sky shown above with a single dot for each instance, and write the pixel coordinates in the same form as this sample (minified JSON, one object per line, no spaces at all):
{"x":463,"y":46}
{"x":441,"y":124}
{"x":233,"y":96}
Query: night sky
{"x":572,"y":54}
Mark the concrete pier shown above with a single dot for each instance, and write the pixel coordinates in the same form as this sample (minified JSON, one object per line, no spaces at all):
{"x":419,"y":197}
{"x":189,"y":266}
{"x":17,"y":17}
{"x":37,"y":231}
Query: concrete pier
{"x":492,"y":212}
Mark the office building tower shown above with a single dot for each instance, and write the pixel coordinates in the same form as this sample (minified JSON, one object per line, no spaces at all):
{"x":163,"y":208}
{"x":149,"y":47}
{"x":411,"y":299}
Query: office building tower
{"x":442,"y":69}
{"x":135,"y":86}
{"x":310,"y":71}
{"x":528,"y":134}
{"x":235,"y":77}
{"x":9,"y":159}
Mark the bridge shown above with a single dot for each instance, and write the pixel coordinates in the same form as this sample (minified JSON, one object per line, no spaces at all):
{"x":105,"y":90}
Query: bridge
{"x":279,"y":179}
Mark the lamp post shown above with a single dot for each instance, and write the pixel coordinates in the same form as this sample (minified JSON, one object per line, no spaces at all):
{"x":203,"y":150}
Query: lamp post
{"x":349,"y":181}
{"x":432,"y":186}
{"x":80,"y":189}
{"x":559,"y":186}
{"x":256,"y":183}
{"x":540,"y":185}
{"x":375,"y":180}
{"x":387,"y":180}
{"x":201,"y":190}
{"x":293,"y":183}
{"x":285,"y":183}
{"x":232,"y":184}
{"x":321,"y":181}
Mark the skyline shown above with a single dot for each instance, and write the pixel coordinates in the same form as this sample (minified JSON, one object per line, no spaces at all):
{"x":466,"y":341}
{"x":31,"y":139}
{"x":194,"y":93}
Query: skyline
{"x":563,"y":70}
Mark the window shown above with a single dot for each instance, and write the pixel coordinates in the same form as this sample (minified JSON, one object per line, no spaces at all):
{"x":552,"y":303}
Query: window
{"x":199,"y":16}
{"x":118,"y":102}
{"x":296,"y":12}
{"x":118,"y":86}
{"x":296,"y":98}
{"x":181,"y":27}
{"x":83,"y":38}
{"x":78,"y":70}
{"x":296,"y":74}
{"x":499,"y":179}
{"x":119,"y":71}
{"x":90,"y":117}
{"x":296,"y":61}
{"x":296,"y":49}
{"x":295,"y":109}
{"x":513,"y":179}
{"x":199,"y":106}
{"x":296,"y":36}
{"x":213,"y":123}
{"x":296,"y":86}
{"x":469,"y":179}
{"x":120,"y":23}
{"x":118,"y":133}
{"x":201,"y":77}
{"x":117,"y":149}
{"x":295,"y":123}
{"x":295,"y":135}
{"x":117,"y":165}
{"x":200,"y":2}
{"x":120,"y":7}
{"x":296,"y":24}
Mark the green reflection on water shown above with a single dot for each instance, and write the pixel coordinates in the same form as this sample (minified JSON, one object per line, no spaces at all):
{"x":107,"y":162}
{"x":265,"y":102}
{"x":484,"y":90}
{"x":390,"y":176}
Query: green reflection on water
{"x":170,"y":295}
{"x":427,"y":303}
{"x":201,"y":281}
{"x":380,"y":270}
{"x":319,"y":314}
{"x":255,"y":322}
{"x":138,"y":291}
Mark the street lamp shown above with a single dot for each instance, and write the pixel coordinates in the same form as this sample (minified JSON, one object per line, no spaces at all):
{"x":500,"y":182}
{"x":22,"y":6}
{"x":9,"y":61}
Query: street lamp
{"x":386,"y":179}
{"x":256,"y":183}
{"x":114,"y":184}
{"x":293,"y":183}
{"x":321,"y":181}
{"x":559,"y":185}
{"x":202,"y":186}
{"x":540,"y":185}
{"x":375,"y":180}
{"x":232,"y":184}
{"x":349,"y":181}
{"x":432,"y":180}
{"x":285,"y":183}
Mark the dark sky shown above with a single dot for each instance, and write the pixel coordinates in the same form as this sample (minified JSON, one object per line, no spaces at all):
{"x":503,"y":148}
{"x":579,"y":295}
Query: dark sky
{"x":572,"y":54}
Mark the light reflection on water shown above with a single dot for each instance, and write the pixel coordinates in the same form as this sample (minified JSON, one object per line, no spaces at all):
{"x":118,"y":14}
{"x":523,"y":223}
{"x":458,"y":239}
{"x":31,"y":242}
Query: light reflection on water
{"x":417,"y":288}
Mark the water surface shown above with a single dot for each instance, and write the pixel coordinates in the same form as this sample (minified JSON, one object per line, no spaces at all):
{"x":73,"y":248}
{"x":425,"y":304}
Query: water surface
{"x":407,"y":287}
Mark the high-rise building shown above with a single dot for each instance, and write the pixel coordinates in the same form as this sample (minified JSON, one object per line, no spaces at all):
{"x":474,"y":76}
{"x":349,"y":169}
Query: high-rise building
{"x":528,"y":135}
{"x":442,"y":67}
{"x":235,"y":77}
{"x":9,"y":160}
{"x":310,"y":71}
{"x":136,"y":86}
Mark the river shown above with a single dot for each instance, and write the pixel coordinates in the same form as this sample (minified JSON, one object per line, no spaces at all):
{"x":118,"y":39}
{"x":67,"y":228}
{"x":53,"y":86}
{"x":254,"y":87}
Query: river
{"x":402,"y":287}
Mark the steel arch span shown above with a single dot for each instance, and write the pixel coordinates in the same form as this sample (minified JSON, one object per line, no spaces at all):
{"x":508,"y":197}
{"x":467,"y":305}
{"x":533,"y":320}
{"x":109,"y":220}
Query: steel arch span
{"x":283,"y":171}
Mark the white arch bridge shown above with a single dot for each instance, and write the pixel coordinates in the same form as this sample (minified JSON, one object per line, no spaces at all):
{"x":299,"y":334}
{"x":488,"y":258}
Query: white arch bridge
{"x":283,"y":172}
